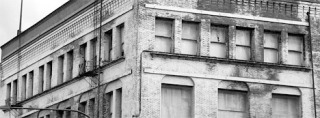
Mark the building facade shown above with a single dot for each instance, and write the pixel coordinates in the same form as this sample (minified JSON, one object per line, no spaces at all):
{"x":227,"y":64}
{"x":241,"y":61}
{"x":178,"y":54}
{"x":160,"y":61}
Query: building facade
{"x":167,"y":59}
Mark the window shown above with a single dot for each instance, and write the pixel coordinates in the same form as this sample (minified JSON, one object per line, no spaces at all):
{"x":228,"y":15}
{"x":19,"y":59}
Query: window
{"x":91,"y":107}
{"x":60,"y":69}
{"x":83,"y":53}
{"x":114,"y":103}
{"x":93,"y":51}
{"x":271,"y":46}
{"x":108,"y":45}
{"x":243,"y":44}
{"x":121,"y":34}
{"x":69,"y":65}
{"x":218,"y":41}
{"x":60,"y":114}
{"x":82,"y":108}
{"x":110,"y":104}
{"x":190,"y":37}
{"x":295,"y":49}
{"x":24,"y":87}
{"x":163,"y":35}
{"x":118,"y":102}
{"x":40,"y":79}
{"x":30,"y":85}
{"x":232,"y":104}
{"x":15,"y":91}
{"x":9,"y":92}
{"x":67,"y":113}
{"x":83,"y":58}
{"x":48,"y":75}
{"x":176,"y":101}
{"x":285,"y":106}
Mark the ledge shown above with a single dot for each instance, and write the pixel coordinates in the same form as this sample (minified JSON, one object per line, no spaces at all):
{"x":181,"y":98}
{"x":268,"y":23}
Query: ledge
{"x":228,"y":61}
{"x":73,"y":80}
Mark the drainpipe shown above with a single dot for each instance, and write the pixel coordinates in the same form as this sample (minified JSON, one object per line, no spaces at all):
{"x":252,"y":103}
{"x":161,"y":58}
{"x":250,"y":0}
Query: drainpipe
{"x":310,"y":50}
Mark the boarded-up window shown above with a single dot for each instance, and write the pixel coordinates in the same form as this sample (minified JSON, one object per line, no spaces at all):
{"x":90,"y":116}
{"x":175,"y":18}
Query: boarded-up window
{"x":190,"y":37}
{"x":176,"y":101}
{"x":271,"y":47}
{"x":232,"y":104}
{"x":218,"y":41}
{"x":164,"y":34}
{"x":243,"y":43}
{"x":285,"y":106}
{"x":295,"y":49}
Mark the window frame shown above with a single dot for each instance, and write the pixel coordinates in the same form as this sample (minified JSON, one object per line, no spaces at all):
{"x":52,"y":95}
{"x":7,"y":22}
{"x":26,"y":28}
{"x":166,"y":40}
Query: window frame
{"x":246,"y":95}
{"x":301,"y":52}
{"x":171,"y":38}
{"x":270,"y":48}
{"x":185,"y":87}
{"x":226,"y":40}
{"x":297,"y":97}
{"x":197,"y":40}
{"x":245,"y":46}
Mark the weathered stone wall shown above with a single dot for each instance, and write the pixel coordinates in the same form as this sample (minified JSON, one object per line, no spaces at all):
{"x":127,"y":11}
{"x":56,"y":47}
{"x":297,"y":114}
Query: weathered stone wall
{"x":262,"y":79}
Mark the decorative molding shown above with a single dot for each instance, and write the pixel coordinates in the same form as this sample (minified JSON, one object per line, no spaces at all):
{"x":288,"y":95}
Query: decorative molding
{"x":217,"y":77}
{"x":230,"y":15}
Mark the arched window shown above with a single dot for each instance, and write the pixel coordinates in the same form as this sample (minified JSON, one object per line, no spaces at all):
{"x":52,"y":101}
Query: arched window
{"x":176,"y":97}
{"x":233,"y":100}
{"x":113,"y":99}
{"x":286,"y":102}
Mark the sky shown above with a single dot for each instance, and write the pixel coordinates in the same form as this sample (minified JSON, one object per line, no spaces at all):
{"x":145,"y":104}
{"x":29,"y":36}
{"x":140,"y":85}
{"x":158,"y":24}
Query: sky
{"x":33,"y":11}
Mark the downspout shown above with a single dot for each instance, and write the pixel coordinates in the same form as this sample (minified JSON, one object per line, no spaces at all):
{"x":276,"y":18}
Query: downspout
{"x":136,"y":5}
{"x":311,"y":60}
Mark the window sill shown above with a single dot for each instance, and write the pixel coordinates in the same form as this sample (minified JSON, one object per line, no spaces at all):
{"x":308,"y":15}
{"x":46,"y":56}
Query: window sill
{"x":228,"y":61}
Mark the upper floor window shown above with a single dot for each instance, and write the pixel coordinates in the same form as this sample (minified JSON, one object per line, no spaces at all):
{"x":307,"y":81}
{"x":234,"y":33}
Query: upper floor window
{"x":190,"y":38}
{"x":163,"y":35}
{"x":108,"y":45}
{"x":48,"y":75}
{"x":218,"y":41}
{"x":285,"y":106}
{"x":121,"y":39}
{"x":232,"y":104}
{"x":24,"y":87}
{"x":271,"y":46}
{"x":243,"y":43}
{"x":295,"y":49}
{"x":40,"y":79}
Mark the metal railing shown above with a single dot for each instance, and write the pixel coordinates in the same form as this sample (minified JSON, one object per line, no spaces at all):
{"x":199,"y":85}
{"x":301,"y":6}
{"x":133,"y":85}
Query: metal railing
{"x":87,"y":66}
